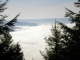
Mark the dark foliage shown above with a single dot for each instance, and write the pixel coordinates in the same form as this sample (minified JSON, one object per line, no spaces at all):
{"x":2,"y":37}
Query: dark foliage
{"x":8,"y":50}
{"x":66,"y":46}
{"x":8,"y":25}
{"x":72,"y":35}
{"x":55,"y":44}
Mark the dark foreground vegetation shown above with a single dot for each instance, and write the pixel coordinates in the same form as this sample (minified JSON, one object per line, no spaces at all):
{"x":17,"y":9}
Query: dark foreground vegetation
{"x":64,"y":43}
{"x":8,"y":50}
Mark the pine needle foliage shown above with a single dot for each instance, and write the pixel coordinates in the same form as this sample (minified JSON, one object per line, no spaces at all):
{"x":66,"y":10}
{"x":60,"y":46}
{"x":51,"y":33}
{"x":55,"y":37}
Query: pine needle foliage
{"x":64,"y":44}
{"x":8,"y":50}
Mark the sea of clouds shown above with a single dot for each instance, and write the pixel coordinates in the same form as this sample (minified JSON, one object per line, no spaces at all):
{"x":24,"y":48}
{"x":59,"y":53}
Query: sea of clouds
{"x":31,"y":39}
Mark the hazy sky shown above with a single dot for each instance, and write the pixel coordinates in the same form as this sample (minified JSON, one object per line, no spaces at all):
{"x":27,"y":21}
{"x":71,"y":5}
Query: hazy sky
{"x":38,"y":9}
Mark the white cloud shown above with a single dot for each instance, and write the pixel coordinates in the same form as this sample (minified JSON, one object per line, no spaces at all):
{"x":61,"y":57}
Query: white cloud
{"x":32,"y":40}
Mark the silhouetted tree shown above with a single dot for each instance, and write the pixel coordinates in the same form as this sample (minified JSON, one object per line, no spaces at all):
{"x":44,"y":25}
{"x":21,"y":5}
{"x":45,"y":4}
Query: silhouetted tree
{"x":67,"y":47}
{"x":8,"y":50}
{"x":54,"y":42}
{"x":72,"y":35}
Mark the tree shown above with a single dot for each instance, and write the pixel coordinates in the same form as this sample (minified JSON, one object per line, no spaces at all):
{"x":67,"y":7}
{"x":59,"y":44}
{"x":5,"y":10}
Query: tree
{"x":54,"y":42}
{"x":69,"y":41}
{"x":8,"y":50}
{"x":71,"y":36}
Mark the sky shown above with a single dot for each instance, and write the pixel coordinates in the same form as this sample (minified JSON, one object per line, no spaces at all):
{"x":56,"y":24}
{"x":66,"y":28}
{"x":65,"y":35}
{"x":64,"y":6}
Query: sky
{"x":38,"y":9}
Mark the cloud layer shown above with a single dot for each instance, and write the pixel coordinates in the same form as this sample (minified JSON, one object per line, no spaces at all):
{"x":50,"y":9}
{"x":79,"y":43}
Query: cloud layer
{"x":32,"y":40}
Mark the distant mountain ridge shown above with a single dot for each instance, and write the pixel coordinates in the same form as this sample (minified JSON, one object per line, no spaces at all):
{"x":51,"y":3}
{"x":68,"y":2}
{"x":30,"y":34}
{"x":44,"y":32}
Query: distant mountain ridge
{"x":35,"y":22}
{"x":63,"y":20}
{"x":25,"y":24}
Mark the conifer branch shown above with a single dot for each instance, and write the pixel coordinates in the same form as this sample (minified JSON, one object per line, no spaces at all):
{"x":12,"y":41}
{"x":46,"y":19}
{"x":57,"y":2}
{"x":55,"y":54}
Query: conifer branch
{"x":12,"y":22}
